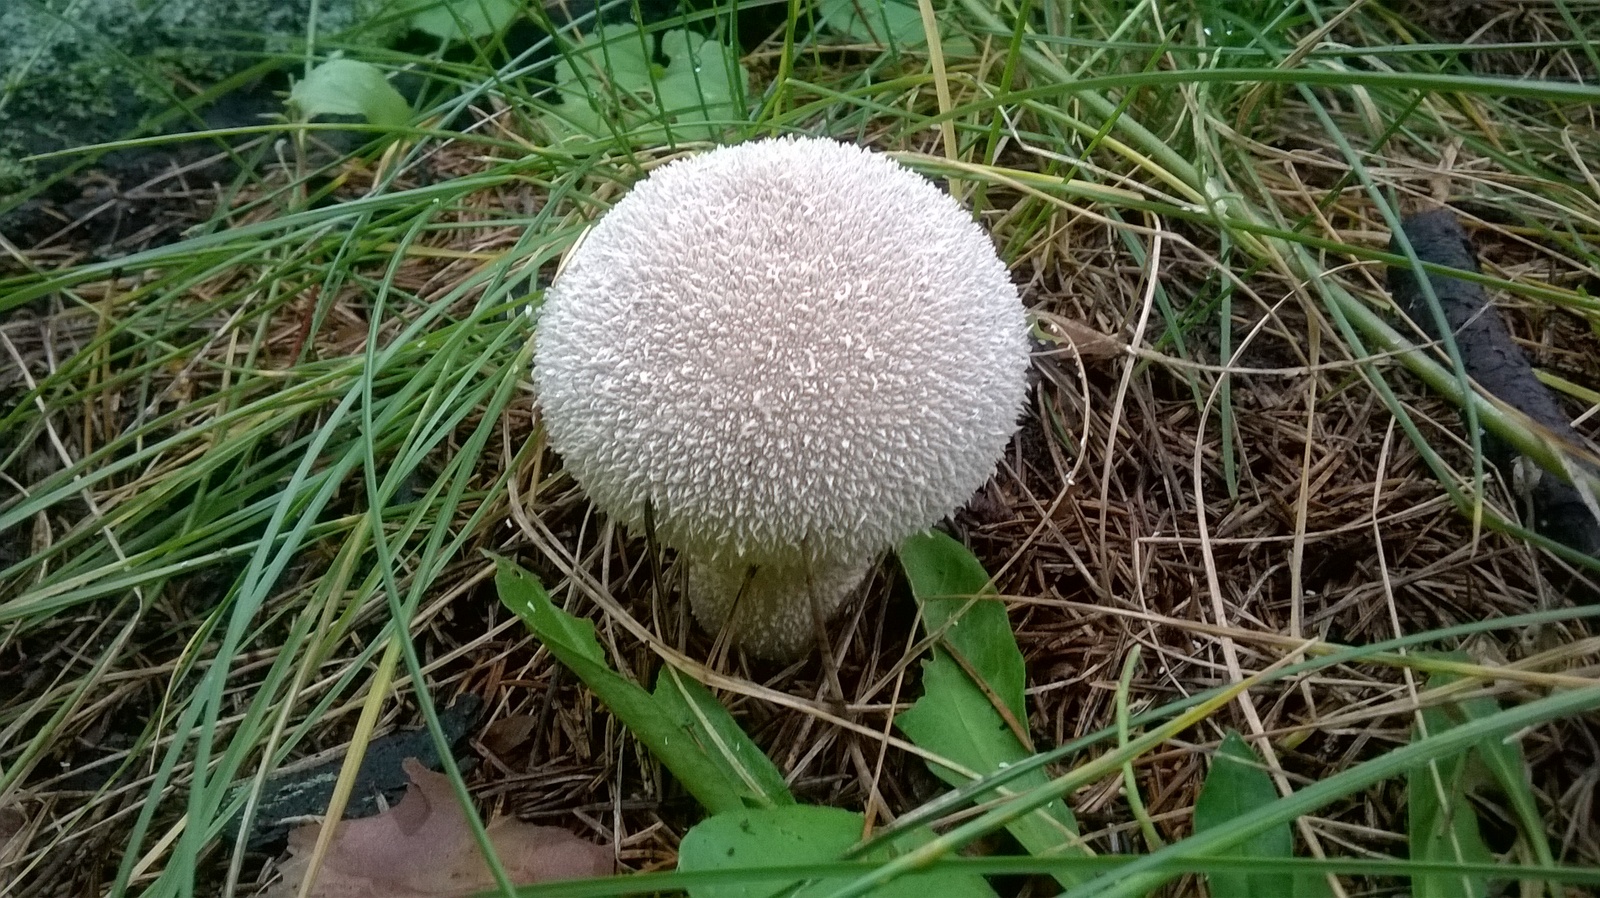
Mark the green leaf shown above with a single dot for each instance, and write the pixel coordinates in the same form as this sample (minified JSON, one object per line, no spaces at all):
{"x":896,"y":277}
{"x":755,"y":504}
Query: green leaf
{"x":945,"y":578}
{"x":455,"y":20}
{"x":348,"y":87}
{"x":610,"y":82}
{"x":615,"y":53}
{"x":699,"y":85}
{"x":956,"y":718}
{"x":682,"y":725}
{"x":804,"y":834}
{"x":1236,"y":785}
{"x":1441,"y":822}
{"x":1503,"y":759}
{"x":604,"y":81}
{"x":698,"y":713}
{"x":883,"y":22}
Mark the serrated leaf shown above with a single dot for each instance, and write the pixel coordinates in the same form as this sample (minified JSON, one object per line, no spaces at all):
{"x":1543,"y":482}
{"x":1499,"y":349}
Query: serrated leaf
{"x":350,"y":87}
{"x":956,"y":717}
{"x":682,"y":725}
{"x":455,"y":20}
{"x":1236,"y":785}
{"x":797,"y":835}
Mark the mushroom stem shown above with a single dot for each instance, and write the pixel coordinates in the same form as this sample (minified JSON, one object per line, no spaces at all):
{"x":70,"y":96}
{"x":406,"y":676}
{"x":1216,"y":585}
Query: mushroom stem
{"x":768,"y":609}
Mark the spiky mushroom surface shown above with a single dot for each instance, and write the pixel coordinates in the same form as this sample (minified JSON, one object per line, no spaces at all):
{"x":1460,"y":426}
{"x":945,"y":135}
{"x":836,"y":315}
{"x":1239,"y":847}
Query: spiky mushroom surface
{"x":795,"y":353}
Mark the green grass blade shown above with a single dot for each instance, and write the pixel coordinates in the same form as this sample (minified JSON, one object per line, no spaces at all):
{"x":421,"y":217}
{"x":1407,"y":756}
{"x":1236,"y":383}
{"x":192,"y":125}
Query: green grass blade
{"x":1151,"y":871}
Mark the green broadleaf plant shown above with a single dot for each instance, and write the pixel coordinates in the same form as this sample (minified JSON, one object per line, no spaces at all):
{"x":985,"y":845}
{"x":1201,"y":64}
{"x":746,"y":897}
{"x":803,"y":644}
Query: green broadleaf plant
{"x":972,"y":710}
{"x":888,"y":23}
{"x":350,"y":87}
{"x":948,"y":583}
{"x":1236,"y":785}
{"x":455,"y":20}
{"x":1441,"y":821}
{"x":682,"y":725}
{"x":755,"y":821}
{"x":802,"y":834}
{"x":610,"y":82}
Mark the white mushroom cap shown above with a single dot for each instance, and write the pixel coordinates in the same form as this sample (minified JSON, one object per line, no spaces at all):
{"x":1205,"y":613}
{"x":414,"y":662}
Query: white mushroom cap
{"x":794,"y":352}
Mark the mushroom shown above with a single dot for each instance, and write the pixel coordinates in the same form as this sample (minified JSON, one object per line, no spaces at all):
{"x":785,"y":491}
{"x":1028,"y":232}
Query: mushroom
{"x":786,"y":357}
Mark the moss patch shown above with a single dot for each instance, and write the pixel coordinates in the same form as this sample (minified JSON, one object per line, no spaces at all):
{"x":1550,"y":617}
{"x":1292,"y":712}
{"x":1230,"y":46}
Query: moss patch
{"x":75,"y":73}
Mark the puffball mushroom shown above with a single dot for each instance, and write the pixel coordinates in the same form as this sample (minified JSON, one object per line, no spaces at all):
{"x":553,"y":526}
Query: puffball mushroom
{"x":786,"y":357}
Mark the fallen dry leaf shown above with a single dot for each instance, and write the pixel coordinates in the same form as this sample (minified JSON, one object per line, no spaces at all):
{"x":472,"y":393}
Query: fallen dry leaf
{"x":504,"y":735}
{"x":423,"y":848}
{"x":12,"y":823}
{"x":1088,"y":343}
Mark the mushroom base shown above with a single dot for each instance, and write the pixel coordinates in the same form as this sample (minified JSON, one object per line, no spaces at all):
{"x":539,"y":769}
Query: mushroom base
{"x":767,"y":609}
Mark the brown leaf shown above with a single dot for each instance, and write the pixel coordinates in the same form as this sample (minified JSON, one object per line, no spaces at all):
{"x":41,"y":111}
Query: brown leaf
{"x":1090,"y":344}
{"x":504,"y":735}
{"x":12,"y":842}
{"x":423,"y":848}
